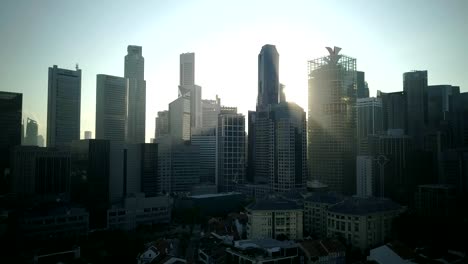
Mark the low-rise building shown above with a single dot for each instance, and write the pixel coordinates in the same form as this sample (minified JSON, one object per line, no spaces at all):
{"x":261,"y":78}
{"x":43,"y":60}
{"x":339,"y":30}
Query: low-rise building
{"x":139,"y":210}
{"x":263,"y":251}
{"x":315,"y":212}
{"x":328,"y":251}
{"x":274,"y":217}
{"x":362,"y":222}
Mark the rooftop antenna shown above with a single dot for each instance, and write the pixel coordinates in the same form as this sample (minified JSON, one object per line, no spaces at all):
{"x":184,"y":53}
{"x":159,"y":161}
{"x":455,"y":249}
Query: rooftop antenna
{"x":77,"y":66}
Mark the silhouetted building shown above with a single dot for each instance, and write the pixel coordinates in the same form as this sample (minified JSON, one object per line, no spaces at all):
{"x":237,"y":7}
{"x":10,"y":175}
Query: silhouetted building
{"x":135,"y":72}
{"x":10,"y":121}
{"x":361,"y":85}
{"x":453,"y":169}
{"x":41,"y":174}
{"x":111,"y":108}
{"x":460,"y":119}
{"x":97,"y":178}
{"x":31,"y":133}
{"x":149,"y":169}
{"x":40,"y":141}
{"x":415,"y":88}
{"x":435,"y":200}
{"x":394,"y":110}
{"x":63,"y":106}
{"x":268,"y":77}
{"x":282,"y":93}
{"x":187,"y":87}
{"x":369,"y":121}
{"x":207,"y":142}
{"x":332,"y":121}
{"x":231,"y":150}
{"x":162,"y":124}
{"x":250,"y":175}
{"x":365,"y":174}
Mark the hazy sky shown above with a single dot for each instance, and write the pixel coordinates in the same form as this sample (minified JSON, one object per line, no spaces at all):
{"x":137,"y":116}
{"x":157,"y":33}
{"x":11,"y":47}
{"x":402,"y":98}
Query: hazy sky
{"x":386,"y":37}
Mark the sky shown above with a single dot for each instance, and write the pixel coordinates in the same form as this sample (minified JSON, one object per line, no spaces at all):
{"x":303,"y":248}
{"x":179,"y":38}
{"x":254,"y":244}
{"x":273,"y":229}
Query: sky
{"x":387,"y":37}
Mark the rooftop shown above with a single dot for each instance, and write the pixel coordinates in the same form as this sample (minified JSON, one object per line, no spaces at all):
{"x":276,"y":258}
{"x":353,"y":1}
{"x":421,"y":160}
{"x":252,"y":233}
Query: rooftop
{"x":274,"y":204}
{"x":267,"y":243}
{"x":325,"y":197}
{"x":322,"y":247}
{"x":212,"y":195}
{"x":364,"y":206}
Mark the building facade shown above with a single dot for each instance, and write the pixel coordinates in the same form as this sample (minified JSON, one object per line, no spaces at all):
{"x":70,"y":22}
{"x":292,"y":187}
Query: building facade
{"x":63,"y":106}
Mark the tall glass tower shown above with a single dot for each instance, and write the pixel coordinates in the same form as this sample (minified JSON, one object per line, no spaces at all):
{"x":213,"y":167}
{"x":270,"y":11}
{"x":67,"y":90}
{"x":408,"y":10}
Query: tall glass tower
{"x":268,"y":77}
{"x":135,"y":72}
{"x":332,"y":121}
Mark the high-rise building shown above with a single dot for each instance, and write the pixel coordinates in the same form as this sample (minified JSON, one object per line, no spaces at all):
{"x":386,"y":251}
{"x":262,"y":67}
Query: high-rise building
{"x":97,"y":177}
{"x":250,"y":177}
{"x":207,"y":142}
{"x":63,"y":106}
{"x":31,"y":133}
{"x":332,"y":121}
{"x":231,"y":147}
{"x":187,"y":87}
{"x":369,"y":121}
{"x":10,"y":121}
{"x":149,"y":169}
{"x":42,"y":174}
{"x":40,"y":141}
{"x":179,"y":118}
{"x":111,"y":107}
{"x":211,"y":109}
{"x":135,"y":72}
{"x":88,"y":135}
{"x":268,"y":77}
{"x":365,"y":176}
{"x":415,"y":88}
{"x":394,"y":110}
{"x":362,"y":89}
{"x":162,"y":124}
{"x":460,"y":119}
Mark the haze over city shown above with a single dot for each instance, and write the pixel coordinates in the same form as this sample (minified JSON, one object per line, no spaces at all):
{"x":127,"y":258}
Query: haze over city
{"x":387,"y":38}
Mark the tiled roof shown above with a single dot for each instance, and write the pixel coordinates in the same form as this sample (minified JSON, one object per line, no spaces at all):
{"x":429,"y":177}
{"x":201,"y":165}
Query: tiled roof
{"x":364,"y":206}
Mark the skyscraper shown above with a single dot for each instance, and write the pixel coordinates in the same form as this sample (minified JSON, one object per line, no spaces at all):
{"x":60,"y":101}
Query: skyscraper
{"x":394,"y":110}
{"x":88,"y":135}
{"x":362,"y":89}
{"x":31,"y":133}
{"x":231,"y":146}
{"x":187,"y":87}
{"x":211,"y":109}
{"x":268,"y":77}
{"x":162,"y":124}
{"x":415,"y":88}
{"x":10,"y":122}
{"x":63,"y":106}
{"x":332,"y":121}
{"x":179,"y":118}
{"x":207,"y":142}
{"x":135,"y":72}
{"x":111,"y":107}
{"x":369,"y":121}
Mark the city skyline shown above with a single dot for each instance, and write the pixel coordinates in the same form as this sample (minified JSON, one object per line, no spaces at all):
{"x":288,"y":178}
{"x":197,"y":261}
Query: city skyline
{"x":291,"y":27}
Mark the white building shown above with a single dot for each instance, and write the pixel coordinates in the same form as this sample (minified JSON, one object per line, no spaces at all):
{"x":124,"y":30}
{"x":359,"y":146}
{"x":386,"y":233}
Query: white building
{"x":211,"y":110}
{"x":63,"y":106}
{"x":363,"y":222}
{"x":274,"y":217}
{"x":139,"y":210}
{"x":179,"y":118}
{"x":364,"y":175}
{"x":315,"y":212}
{"x":187,"y":87}
{"x":111,"y":108}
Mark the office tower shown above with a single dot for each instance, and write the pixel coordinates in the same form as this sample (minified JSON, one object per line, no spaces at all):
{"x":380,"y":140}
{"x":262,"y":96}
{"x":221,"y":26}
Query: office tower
{"x":31,"y":133}
{"x":187,"y":87}
{"x":97,"y":177}
{"x":162,"y":124}
{"x":453,"y":165}
{"x":88,"y":135}
{"x":132,"y":169}
{"x":440,"y":103}
{"x":179,"y":118}
{"x":135,"y":73}
{"x":362,"y":89}
{"x":10,"y":121}
{"x":369,"y":121}
{"x":210,"y":112}
{"x":268,"y":77}
{"x":22,"y":132}
{"x":365,"y":176}
{"x":436,"y":200}
{"x":41,"y":174}
{"x":149,"y":169}
{"x":459,"y":116}
{"x":281,"y":147}
{"x":111,"y":107}
{"x":332,"y":121}
{"x":394,"y":110}
{"x":185,"y":166}
{"x":250,"y":175}
{"x":63,"y":106}
{"x":415,"y":88}
{"x":231,"y":145}
{"x":40,"y":141}
{"x":206,"y":140}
